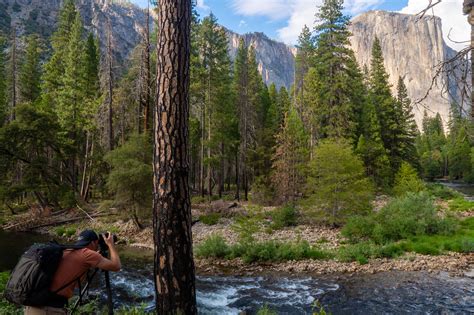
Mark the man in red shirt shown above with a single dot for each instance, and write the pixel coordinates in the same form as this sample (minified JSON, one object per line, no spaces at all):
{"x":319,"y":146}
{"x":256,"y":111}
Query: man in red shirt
{"x":74,"y":266}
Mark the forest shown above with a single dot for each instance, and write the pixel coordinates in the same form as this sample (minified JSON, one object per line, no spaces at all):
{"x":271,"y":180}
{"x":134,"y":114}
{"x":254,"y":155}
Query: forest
{"x":77,"y":132}
{"x":77,"y":128}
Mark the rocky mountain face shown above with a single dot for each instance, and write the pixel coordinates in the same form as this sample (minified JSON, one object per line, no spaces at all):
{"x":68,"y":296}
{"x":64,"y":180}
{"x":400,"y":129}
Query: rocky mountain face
{"x":276,"y":60}
{"x":412,"y":49}
{"x":39,"y":16}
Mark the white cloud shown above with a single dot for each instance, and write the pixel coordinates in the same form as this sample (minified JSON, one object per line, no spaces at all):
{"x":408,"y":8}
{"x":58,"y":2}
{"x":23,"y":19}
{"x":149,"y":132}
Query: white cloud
{"x":297,"y":12}
{"x":242,"y":23}
{"x":201,"y":5}
{"x":453,"y":20}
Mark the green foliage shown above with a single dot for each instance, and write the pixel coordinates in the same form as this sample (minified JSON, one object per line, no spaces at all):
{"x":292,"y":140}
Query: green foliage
{"x":130,"y":178}
{"x":404,"y":217}
{"x":441,"y":191}
{"x":290,"y":158}
{"x":35,"y":132}
{"x":65,"y":231}
{"x":362,"y":252}
{"x":210,"y":219}
{"x":266,"y":310}
{"x":337,"y":183}
{"x":216,"y":247}
{"x":30,"y":72}
{"x":247,"y":226}
{"x":284,"y":216}
{"x":5,"y":306}
{"x":407,"y":180}
{"x":461,"y":204}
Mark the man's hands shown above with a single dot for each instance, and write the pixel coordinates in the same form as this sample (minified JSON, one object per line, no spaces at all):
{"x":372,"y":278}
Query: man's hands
{"x":109,"y":240}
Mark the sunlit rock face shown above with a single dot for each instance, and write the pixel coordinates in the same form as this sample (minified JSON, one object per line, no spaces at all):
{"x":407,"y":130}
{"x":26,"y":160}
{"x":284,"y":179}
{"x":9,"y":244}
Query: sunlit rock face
{"x":412,"y":49}
{"x":275,"y":59}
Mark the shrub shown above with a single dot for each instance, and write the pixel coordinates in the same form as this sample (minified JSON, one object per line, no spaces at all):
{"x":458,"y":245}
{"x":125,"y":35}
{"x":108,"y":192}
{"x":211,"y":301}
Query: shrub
{"x":337,"y":182}
{"x":210,"y":219}
{"x":214,"y":246}
{"x":283,"y":217}
{"x":441,"y":191}
{"x":403,"y":217}
{"x":360,"y":252}
{"x":265,"y":310}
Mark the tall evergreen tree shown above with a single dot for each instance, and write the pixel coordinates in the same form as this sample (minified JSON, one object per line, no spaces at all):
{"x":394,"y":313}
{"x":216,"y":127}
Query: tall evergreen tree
{"x":408,"y":127}
{"x":333,"y":62}
{"x":52,"y":80}
{"x":216,"y":68}
{"x":290,"y":158}
{"x":388,"y":112}
{"x":30,"y":72}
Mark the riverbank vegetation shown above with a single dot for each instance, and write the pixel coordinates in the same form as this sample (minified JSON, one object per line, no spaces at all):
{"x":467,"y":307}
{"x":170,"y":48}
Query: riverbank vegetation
{"x":264,"y":159}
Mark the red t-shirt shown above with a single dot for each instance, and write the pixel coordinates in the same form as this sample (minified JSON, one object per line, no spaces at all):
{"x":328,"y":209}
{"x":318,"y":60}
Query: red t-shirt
{"x":74,"y":264}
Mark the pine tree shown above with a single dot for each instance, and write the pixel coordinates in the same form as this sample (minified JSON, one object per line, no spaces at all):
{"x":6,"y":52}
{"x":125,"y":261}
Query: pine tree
{"x":216,"y":70}
{"x":290,"y":158}
{"x":388,"y":113}
{"x":247,"y":115}
{"x":92,"y":66}
{"x":304,"y":56}
{"x":333,"y":62}
{"x":30,"y":72}
{"x":52,"y":80}
{"x":283,"y":104}
{"x":431,"y":147}
{"x":408,"y":127}
{"x":371,"y":150}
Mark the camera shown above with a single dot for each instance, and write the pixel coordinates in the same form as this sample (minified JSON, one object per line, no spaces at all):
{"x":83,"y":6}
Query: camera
{"x":103,"y":246}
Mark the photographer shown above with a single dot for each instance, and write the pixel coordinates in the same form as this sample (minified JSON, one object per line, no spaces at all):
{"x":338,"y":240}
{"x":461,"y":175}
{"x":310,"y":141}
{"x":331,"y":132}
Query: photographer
{"x":73,"y":269}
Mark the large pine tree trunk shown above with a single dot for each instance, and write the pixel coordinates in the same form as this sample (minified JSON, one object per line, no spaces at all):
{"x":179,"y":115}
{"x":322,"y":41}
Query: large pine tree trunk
{"x":174,"y":266}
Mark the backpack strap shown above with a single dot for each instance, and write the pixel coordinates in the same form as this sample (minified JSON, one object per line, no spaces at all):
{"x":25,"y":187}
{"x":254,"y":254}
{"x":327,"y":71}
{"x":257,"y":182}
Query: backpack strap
{"x":69,"y":283}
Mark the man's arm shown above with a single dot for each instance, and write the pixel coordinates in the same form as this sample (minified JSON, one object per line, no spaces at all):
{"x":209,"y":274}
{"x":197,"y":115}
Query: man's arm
{"x":112,"y":264}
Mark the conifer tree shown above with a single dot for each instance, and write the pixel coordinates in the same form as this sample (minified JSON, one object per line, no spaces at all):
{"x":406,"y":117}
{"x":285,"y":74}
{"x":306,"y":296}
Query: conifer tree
{"x":389,"y":113}
{"x":13,"y":75}
{"x":30,"y":72}
{"x":92,"y":66}
{"x":283,"y":104}
{"x":52,"y":80}
{"x":216,"y":70}
{"x":408,"y":127}
{"x":333,"y":62}
{"x":244,"y":101}
{"x":290,"y":157}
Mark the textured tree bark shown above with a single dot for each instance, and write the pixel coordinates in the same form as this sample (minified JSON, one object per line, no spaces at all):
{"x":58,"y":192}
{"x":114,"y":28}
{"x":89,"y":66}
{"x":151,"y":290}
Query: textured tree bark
{"x":174,"y":266}
{"x":110,"y":88}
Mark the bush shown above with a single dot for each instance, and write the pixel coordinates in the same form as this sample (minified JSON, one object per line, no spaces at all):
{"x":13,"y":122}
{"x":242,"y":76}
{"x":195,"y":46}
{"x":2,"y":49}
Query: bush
{"x":403,"y":217}
{"x":407,"y":180}
{"x":337,"y":183}
{"x":210,"y":219}
{"x":214,"y":246}
{"x":265,"y":310}
{"x":283,"y":217}
{"x":441,"y":191}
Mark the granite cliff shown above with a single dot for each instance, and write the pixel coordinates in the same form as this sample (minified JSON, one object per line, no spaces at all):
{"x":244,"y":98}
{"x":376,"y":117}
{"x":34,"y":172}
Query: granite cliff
{"x":412,"y":49}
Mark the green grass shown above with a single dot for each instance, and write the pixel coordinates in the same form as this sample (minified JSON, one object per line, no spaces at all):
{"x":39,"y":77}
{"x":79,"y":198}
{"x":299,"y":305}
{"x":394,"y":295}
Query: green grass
{"x":462,"y":241}
{"x":266,"y":310}
{"x":461,"y":204}
{"x":210,"y":219}
{"x":268,"y":251}
{"x":5,"y":306}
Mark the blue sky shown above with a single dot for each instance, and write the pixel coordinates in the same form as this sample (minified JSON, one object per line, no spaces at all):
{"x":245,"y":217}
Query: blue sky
{"x":283,"y":19}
